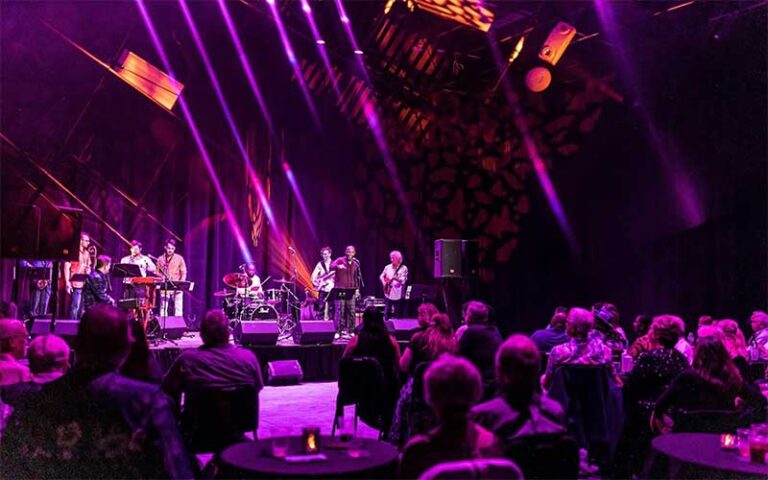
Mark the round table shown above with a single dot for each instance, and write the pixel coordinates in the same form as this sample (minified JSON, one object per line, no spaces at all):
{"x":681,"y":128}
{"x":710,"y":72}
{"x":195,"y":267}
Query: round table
{"x":255,"y":459}
{"x":702,"y":450}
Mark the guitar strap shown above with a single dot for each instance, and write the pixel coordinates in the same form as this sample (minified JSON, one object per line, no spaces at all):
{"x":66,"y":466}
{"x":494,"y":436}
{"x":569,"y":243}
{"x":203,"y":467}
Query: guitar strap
{"x":325,"y":269}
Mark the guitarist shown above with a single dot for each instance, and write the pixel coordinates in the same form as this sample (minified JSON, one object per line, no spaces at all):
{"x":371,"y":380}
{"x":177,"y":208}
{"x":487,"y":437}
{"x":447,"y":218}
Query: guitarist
{"x":393,"y":279}
{"x":323,"y":280}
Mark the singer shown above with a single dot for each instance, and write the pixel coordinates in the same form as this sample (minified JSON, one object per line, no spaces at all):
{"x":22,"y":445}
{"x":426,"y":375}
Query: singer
{"x":348,"y":275}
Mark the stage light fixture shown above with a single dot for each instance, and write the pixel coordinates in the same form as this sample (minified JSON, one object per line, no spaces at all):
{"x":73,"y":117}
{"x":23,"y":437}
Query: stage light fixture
{"x":538,"y":79}
{"x":358,"y":52}
{"x":516,"y":51}
{"x":320,"y":41}
{"x":556,"y":43}
{"x":148,"y":79}
{"x":471,"y":13}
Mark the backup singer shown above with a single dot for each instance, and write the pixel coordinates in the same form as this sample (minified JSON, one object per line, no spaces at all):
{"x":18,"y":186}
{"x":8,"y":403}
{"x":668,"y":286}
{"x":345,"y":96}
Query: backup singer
{"x":82,"y":266}
{"x":174,"y":269}
{"x":347,"y":270}
{"x":393,"y":278}
{"x":322,"y":279}
{"x":97,"y":285}
{"x":145,"y":265}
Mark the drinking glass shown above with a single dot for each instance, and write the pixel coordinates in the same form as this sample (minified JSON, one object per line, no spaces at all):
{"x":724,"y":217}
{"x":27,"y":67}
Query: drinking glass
{"x":281,"y":438}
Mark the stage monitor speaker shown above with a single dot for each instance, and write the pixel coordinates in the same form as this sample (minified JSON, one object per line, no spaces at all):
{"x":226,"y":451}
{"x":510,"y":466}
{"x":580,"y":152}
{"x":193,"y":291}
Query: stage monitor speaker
{"x":284,"y":372}
{"x":257,"y":333}
{"x":402,"y":328}
{"x":174,"y":327}
{"x":66,"y":329}
{"x":455,"y":258}
{"x":41,"y":326}
{"x":311,"y":332}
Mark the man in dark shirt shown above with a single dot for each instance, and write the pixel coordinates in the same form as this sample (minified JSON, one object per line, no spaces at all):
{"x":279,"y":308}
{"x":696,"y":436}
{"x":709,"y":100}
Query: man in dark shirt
{"x":480,"y":341}
{"x":554,"y":334}
{"x":97,"y":286}
{"x":347,"y":270}
{"x":215,"y":364}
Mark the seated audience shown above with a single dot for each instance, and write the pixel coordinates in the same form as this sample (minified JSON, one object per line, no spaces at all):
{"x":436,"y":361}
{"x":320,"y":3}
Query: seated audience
{"x":8,"y":310}
{"x":581,"y":348}
{"x":13,"y":348}
{"x":140,"y":365}
{"x":215,"y":364}
{"x":48,"y":357}
{"x":606,"y":327}
{"x":479,"y":342}
{"x":93,"y":422}
{"x":734,"y":342}
{"x":713,"y":383}
{"x":554,"y":334}
{"x":758,"y":342}
{"x":682,"y":344}
{"x":424,"y":315}
{"x":452,"y":386}
{"x":644,"y":338}
{"x":428,"y":345}
{"x":518,"y":362}
{"x":705,"y":320}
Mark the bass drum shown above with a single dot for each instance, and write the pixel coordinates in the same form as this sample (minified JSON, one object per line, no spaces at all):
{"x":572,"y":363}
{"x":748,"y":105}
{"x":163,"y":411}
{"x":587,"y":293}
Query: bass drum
{"x":260,"y":313}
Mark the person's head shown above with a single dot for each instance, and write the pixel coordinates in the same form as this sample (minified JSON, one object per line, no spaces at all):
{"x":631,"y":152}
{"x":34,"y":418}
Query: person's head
{"x":13,"y":338}
{"x":439,"y":336}
{"x":615,"y":316}
{"x":712,"y":362}
{"x":424,"y":314}
{"x":579,"y":323}
{"x":476,"y":313}
{"x":452,"y":386}
{"x":707,"y":331}
{"x":642,"y":324}
{"x":48,"y":354}
{"x":518,"y":361}
{"x":395,"y":257}
{"x":325,"y":253}
{"x":250,"y":269}
{"x":558,"y":318}
{"x":103,"y":339}
{"x":214,"y":329}
{"x":8,"y":310}
{"x":734,"y":340}
{"x":85,"y":240}
{"x":350,"y":251}
{"x":170,"y":246}
{"x":103,"y":263}
{"x":758,"y":320}
{"x":666,"y":330}
{"x":373,"y":320}
{"x":705,"y":320}
{"x":135,"y":247}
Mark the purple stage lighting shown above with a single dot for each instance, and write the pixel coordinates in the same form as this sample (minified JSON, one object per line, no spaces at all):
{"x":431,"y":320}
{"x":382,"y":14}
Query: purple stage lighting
{"x":239,"y":238}
{"x":302,"y":204}
{"x":321,"y":50}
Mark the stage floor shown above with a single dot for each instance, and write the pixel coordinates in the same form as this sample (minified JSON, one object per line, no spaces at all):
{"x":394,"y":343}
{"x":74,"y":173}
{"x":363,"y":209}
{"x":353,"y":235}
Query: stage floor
{"x":319,"y":363}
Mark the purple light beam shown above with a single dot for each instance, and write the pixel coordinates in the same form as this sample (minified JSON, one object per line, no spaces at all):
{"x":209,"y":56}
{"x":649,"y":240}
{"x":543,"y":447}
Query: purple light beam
{"x":302,"y":204}
{"x":320,"y":46}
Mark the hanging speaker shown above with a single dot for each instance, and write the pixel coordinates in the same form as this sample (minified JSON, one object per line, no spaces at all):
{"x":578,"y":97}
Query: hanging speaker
{"x":556,"y":43}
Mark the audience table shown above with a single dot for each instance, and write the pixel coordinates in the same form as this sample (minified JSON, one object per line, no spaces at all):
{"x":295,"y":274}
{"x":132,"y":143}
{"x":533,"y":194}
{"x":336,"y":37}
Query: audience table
{"x":698,"y":455}
{"x":369,"y":459}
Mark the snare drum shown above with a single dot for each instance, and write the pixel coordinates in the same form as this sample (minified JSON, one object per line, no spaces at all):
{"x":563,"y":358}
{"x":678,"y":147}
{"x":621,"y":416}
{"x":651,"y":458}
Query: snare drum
{"x":259,"y":313}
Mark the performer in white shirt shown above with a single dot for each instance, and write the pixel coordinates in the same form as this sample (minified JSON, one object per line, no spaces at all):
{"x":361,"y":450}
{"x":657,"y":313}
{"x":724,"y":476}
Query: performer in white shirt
{"x":393,"y":278}
{"x":253,"y":290}
{"x":323,"y":280}
{"x":145,"y":264}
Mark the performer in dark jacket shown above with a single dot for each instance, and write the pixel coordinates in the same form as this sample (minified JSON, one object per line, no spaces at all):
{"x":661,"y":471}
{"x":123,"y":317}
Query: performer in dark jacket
{"x":97,"y":286}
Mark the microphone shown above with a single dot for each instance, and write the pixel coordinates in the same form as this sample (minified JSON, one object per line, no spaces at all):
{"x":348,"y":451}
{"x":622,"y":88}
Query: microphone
{"x":290,"y":249}
{"x":241,"y":267}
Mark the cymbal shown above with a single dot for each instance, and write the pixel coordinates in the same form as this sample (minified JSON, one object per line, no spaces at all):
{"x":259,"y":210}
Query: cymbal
{"x":283,"y":280}
{"x":236,"y":280}
{"x":223,"y":293}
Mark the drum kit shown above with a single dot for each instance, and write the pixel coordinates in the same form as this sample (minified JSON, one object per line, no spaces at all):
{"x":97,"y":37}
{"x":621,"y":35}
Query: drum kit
{"x":242,"y":303}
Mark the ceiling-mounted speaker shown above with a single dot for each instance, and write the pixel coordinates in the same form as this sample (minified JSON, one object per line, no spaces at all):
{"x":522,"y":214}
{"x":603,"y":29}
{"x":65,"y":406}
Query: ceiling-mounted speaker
{"x":556,"y":43}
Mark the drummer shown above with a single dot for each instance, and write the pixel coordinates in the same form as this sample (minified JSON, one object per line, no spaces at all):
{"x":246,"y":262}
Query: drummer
{"x":253,"y":289}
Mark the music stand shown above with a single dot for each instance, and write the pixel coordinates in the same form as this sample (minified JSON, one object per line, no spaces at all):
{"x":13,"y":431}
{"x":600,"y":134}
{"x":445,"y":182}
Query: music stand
{"x":126,"y":270}
{"x":338,"y":293}
{"x":171,"y":286}
{"x":78,"y":277}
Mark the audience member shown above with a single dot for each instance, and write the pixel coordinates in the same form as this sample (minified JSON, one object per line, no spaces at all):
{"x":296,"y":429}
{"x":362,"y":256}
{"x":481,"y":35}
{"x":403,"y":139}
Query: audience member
{"x":93,"y":422}
{"x":13,"y":348}
{"x":424,"y":315}
{"x":140,"y":365}
{"x":705,"y":320}
{"x":519,"y":410}
{"x":48,"y":357}
{"x":430,"y":344}
{"x":479,"y":342}
{"x":682,"y":345}
{"x":452,"y":386}
{"x":735,"y":344}
{"x":606,"y":327}
{"x":644,"y":338}
{"x":215,"y":364}
{"x":8,"y":310}
{"x":547,"y":338}
{"x":758,"y":342}
{"x":713,"y":383}
{"x":581,"y":348}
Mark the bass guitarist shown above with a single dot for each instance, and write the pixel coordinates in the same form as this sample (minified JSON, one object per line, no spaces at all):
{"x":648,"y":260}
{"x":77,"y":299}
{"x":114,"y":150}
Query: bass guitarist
{"x":323,"y":280}
{"x":393,"y":278}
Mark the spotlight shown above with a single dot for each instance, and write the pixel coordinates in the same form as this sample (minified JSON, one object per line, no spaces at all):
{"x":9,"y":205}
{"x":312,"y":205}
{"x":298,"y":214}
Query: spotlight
{"x":320,"y":41}
{"x":358,"y":52}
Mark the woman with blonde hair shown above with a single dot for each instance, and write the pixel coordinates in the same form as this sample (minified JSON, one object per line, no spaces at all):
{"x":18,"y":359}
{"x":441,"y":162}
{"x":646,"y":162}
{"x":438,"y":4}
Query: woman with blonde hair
{"x":426,"y":346}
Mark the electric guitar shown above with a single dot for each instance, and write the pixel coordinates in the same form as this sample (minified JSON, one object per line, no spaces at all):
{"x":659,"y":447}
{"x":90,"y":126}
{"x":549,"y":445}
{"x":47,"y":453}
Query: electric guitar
{"x":323,"y":280}
{"x":388,"y":282}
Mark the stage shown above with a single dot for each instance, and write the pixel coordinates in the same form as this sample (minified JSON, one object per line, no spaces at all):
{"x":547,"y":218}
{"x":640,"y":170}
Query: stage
{"x":318,"y":362}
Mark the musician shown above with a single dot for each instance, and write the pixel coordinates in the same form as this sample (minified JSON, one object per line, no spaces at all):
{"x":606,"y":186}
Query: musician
{"x":173,"y":268}
{"x":393,"y":279}
{"x":322,"y":279}
{"x":39,"y":288}
{"x":347,"y":270}
{"x":97,"y":285}
{"x":82,"y":266}
{"x":145,"y":264}
{"x":253,"y":289}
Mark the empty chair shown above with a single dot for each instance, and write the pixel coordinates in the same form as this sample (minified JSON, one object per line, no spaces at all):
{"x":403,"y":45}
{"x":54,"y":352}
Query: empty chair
{"x":545,"y":456}
{"x":711,"y":421}
{"x":486,"y":468}
{"x":362,"y":383}
{"x":214,"y":418}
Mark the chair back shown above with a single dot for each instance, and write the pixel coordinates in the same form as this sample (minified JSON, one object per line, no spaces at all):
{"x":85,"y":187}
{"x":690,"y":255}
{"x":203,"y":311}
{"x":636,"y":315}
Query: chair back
{"x":710,"y":421}
{"x":553,"y":455}
{"x":212,"y":419}
{"x":417,"y":390}
{"x":485,"y":468}
{"x":362,"y":383}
